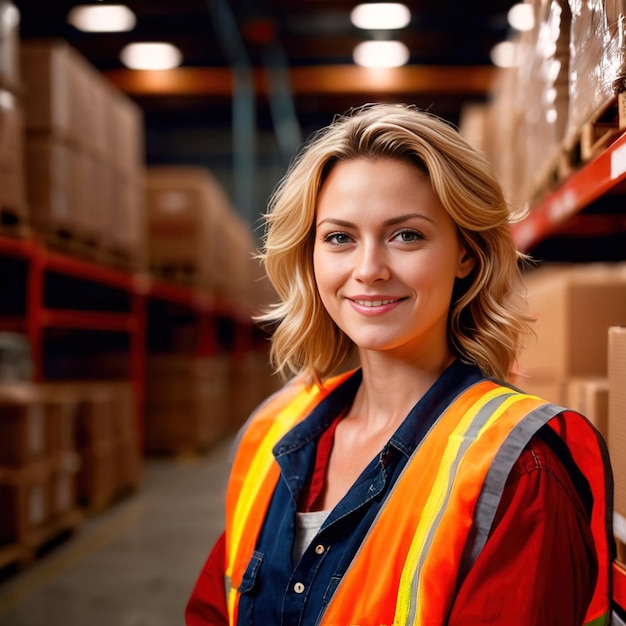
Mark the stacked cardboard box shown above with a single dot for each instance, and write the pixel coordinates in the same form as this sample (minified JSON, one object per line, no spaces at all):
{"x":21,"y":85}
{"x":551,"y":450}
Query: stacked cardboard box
{"x":84,"y":153}
{"x":617,"y":430}
{"x":107,"y":442}
{"x":597,"y":62}
{"x":574,"y":306}
{"x":38,"y":465}
{"x":13,"y":206}
{"x":570,"y":72}
{"x":195,"y":235}
{"x":187,"y":402}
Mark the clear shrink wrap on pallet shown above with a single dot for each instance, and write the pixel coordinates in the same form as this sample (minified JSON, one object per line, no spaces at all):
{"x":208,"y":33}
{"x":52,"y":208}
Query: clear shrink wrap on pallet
{"x":543,"y":90}
{"x":597,"y":60}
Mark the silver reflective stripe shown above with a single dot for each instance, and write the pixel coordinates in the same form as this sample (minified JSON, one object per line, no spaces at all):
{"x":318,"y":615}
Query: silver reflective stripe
{"x":496,"y":479}
{"x":616,"y":620}
{"x":469,"y":436}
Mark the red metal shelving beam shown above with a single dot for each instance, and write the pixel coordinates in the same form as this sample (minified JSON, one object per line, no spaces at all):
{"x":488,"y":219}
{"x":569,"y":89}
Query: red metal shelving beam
{"x":21,"y":248}
{"x":89,"y":320}
{"x":593,"y":180}
{"x":87,"y":270}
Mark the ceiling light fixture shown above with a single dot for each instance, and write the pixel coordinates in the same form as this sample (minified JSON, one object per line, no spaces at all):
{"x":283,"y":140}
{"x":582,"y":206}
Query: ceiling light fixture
{"x":381,"y":54}
{"x":380,"y":16}
{"x":102,"y":18}
{"x":151,"y":56}
{"x":521,"y":16}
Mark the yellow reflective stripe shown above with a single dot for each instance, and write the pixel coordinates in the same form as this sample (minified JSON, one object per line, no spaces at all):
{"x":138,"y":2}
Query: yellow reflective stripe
{"x":434,"y":503}
{"x":262,"y":463}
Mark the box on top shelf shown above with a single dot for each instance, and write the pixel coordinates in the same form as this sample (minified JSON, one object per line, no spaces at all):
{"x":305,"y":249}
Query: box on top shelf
{"x":184,"y":215}
{"x":617,"y":423}
{"x":574,"y":306}
{"x":13,"y":205}
{"x":125,"y":131}
{"x":10,"y":77}
{"x":53,"y":99}
{"x":597,"y":60}
{"x":51,"y":185}
{"x":543,"y":88}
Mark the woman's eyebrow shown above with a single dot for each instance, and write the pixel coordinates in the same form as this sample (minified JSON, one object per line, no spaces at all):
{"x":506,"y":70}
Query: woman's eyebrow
{"x":390,"y":222}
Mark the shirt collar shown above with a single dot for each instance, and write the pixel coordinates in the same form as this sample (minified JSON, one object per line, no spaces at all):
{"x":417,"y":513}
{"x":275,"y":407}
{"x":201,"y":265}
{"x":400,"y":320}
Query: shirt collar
{"x":454,"y":379}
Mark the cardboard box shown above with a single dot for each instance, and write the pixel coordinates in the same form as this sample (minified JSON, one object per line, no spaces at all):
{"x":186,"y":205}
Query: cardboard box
{"x":185,"y":210}
{"x":12,"y":160}
{"x":24,"y":431}
{"x":50,"y":194}
{"x":188,"y":406}
{"x":10,"y":76}
{"x":61,"y":403}
{"x":574,"y":306}
{"x":617,"y":423}
{"x":96,"y":415}
{"x":24,"y":501}
{"x":126,"y":147}
{"x":98,"y":476}
{"x":49,"y":95}
{"x":551,"y":390}
{"x":590,"y":396}
{"x":63,"y":492}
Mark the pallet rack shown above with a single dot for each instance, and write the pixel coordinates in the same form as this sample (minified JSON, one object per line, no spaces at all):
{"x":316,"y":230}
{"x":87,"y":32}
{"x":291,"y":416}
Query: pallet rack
{"x":137,"y":291}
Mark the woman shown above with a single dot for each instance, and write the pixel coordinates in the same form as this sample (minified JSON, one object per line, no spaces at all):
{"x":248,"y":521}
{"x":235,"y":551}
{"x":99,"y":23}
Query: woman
{"x":397,"y":479}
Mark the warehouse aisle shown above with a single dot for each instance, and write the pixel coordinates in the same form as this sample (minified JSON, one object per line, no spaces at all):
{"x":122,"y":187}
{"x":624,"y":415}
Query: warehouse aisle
{"x":135,"y":564}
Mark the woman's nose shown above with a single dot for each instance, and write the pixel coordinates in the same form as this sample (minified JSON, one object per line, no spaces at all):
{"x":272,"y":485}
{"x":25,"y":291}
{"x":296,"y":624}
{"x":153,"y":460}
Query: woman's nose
{"x":371,"y":264}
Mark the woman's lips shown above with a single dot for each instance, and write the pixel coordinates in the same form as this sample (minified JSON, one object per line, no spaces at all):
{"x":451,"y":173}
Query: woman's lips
{"x":374,"y":306}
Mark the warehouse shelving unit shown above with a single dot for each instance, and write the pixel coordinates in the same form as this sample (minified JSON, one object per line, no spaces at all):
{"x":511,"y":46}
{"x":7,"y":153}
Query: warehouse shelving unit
{"x":560,"y":211}
{"x":576,"y":210}
{"x":78,"y":306}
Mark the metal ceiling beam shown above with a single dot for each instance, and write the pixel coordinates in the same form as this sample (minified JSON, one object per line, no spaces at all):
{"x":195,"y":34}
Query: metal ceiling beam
{"x":335,"y":80}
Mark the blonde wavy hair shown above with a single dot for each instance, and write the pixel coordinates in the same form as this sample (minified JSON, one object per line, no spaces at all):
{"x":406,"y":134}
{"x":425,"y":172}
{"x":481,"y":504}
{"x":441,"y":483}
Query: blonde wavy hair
{"x":487,"y":318}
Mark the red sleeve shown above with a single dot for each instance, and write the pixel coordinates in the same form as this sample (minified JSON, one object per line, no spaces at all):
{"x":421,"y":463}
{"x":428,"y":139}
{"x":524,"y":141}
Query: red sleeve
{"x":207,"y":604}
{"x":539,"y":565}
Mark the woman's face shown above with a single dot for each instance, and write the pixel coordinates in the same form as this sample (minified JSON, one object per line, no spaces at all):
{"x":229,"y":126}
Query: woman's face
{"x":386,"y":256}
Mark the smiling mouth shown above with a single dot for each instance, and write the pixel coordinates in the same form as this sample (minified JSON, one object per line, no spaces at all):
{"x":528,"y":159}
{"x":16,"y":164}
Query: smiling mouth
{"x":373,"y":303}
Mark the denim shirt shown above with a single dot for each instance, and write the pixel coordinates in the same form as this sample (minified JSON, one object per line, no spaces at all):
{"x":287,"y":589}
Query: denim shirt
{"x":274,"y":590}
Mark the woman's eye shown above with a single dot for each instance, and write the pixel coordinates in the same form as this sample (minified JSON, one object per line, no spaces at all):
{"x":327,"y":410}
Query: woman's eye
{"x":337,"y":239}
{"x":408,"y":236}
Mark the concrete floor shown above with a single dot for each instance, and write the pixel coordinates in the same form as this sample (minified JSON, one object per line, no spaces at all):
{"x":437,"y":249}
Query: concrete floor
{"x":136,"y":563}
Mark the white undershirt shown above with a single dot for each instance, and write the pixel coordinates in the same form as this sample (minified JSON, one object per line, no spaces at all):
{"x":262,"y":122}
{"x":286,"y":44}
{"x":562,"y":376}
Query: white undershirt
{"x":307,"y":526}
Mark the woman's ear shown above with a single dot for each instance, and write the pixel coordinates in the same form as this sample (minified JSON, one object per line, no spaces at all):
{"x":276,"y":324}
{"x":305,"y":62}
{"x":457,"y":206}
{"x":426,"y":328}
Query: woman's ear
{"x":466,"y":264}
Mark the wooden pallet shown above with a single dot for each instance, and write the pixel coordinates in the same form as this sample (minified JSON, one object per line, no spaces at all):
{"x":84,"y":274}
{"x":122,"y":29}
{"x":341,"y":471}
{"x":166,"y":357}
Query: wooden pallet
{"x":599,"y":131}
{"x":71,"y":243}
{"x":594,"y":136}
{"x":91,"y":249}
{"x":183,"y":274}
{"x":11,"y":554}
{"x":13,"y":222}
{"x":38,"y":541}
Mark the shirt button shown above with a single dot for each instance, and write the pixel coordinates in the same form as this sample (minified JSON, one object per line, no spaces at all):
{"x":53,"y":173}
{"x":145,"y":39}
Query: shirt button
{"x":319,"y":549}
{"x":298,"y":587}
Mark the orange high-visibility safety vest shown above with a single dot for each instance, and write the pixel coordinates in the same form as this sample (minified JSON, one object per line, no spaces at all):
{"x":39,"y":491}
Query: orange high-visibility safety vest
{"x":437,"y":516}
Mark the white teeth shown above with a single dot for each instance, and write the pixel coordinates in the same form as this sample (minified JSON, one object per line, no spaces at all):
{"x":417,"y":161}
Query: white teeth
{"x":372,"y":303}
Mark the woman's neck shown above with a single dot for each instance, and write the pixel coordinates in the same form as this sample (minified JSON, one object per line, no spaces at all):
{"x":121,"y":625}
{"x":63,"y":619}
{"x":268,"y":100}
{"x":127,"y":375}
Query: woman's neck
{"x":392,"y":387}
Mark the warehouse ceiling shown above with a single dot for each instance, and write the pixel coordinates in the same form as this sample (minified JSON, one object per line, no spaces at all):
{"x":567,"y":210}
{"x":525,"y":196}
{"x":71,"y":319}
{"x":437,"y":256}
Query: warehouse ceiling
{"x":296,"y":53}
